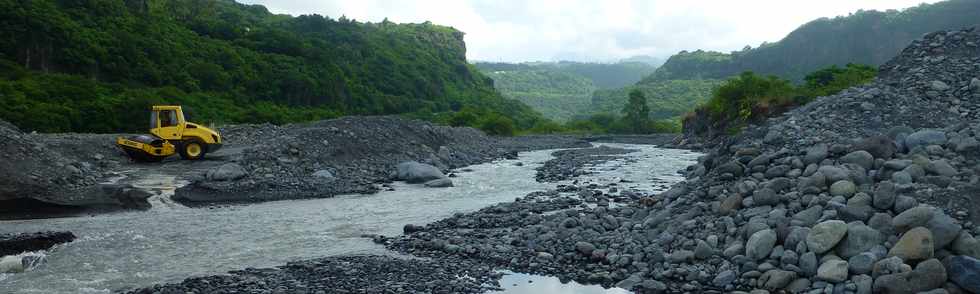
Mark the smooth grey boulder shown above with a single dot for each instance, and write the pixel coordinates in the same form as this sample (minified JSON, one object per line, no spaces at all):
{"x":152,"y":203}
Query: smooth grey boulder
{"x":760,"y":244}
{"x":884,"y":196}
{"x":226,"y":172}
{"x":860,"y":157}
{"x":834,"y":271}
{"x":941,"y":167}
{"x":965,"y":272}
{"x":881,"y":147}
{"x":816,"y":153}
{"x":924,"y":138}
{"x":927,"y":275}
{"x":414,"y":172}
{"x":859,"y":238}
{"x":824,"y":236}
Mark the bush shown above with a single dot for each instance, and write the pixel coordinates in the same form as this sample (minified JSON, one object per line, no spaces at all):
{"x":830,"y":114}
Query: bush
{"x":497,"y":125}
{"x":751,"y":98}
{"x":547,"y":127}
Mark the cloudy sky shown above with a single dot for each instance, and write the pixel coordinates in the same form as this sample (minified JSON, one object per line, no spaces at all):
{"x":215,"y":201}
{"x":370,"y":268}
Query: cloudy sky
{"x":594,"y":30}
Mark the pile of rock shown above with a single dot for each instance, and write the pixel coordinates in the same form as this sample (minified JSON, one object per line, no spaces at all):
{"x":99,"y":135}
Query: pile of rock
{"x":348,"y":155}
{"x":38,"y":178}
{"x":571,"y":163}
{"x":873,"y":189}
{"x":347,"y":274}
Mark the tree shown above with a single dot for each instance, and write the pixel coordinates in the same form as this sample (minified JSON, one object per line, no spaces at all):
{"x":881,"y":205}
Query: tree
{"x":637,"y":112}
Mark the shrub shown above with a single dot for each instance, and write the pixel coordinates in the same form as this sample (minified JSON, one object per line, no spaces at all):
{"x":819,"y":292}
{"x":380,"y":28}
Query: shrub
{"x":497,"y":125}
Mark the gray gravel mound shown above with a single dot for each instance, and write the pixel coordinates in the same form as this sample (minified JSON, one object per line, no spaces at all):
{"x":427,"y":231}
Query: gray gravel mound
{"x":870,"y":190}
{"x":347,"y":274}
{"x":358,"y":152}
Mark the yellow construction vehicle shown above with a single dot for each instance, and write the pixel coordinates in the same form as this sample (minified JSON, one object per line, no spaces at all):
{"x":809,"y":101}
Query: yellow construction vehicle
{"x":169,"y":134}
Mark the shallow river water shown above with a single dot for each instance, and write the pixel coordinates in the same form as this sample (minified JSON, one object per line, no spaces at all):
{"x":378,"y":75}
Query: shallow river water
{"x":121,"y":251}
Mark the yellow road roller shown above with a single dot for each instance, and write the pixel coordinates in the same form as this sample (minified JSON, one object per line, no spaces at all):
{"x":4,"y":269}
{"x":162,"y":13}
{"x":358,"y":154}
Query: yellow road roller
{"x":169,"y":134}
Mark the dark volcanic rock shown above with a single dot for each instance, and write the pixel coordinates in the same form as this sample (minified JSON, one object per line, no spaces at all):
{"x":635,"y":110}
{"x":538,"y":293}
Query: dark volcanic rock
{"x":571,"y":163}
{"x":15,"y":244}
{"x":358,"y":152}
{"x":346,"y":274}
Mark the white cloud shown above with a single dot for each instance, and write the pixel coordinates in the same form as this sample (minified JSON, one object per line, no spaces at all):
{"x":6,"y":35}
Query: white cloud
{"x":593,"y":30}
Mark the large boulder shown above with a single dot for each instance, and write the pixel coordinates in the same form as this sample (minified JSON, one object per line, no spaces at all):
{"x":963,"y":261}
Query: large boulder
{"x":12,"y":264}
{"x":915,"y":245}
{"x":834,"y":271}
{"x":824,"y":236}
{"x":415,"y":172}
{"x":878,"y":146}
{"x":227,"y":172}
{"x":924,"y":138}
{"x":859,"y":238}
{"x":14,"y":244}
{"x":760,"y":244}
{"x":965,"y":272}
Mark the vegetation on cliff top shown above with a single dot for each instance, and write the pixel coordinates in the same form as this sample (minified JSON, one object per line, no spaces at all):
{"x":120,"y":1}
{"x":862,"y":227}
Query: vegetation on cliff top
{"x":96,"y":66}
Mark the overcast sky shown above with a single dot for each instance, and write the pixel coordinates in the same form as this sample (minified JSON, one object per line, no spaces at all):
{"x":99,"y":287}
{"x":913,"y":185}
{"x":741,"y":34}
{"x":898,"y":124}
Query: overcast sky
{"x":594,"y":30}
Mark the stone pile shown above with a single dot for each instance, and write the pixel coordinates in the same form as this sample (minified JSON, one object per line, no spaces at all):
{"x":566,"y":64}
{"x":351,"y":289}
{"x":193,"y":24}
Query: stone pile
{"x":875,"y":189}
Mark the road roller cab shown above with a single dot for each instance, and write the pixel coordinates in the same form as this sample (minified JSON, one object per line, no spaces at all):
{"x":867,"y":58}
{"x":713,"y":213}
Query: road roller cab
{"x":170,"y":133}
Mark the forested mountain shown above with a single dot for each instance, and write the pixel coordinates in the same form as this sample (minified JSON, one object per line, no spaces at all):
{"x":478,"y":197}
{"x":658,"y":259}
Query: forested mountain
{"x":560,"y":90}
{"x":603,"y":75}
{"x":667,"y":99}
{"x":865,"y":37}
{"x":557,"y":94}
{"x":95,"y":65}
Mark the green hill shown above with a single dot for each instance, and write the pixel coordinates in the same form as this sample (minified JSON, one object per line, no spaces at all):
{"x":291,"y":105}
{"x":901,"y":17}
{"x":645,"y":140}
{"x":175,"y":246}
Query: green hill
{"x":556,"y":94}
{"x":865,"y":37}
{"x":560,"y":90}
{"x":667,"y":99}
{"x":95,"y":65}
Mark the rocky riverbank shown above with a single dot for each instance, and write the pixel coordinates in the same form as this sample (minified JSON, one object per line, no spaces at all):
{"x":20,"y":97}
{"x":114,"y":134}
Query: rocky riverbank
{"x":68,"y":174}
{"x":345,"y":156}
{"x":347,"y":274}
{"x":871,"y":190}
{"x":571,"y":163}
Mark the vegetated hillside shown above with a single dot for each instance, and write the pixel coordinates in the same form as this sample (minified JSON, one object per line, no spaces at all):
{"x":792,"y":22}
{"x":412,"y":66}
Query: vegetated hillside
{"x":865,"y":37}
{"x":603,"y":75}
{"x":560,"y":90}
{"x":96,"y":65}
{"x":651,"y":60}
{"x":667,"y":99}
{"x":556,"y":94}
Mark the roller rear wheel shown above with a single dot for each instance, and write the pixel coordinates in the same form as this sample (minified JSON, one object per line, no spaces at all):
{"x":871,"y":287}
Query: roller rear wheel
{"x":192,"y":149}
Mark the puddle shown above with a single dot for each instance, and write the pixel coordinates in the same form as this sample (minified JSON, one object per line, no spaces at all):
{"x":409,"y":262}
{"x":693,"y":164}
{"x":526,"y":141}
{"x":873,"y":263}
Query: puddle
{"x":518,"y":283}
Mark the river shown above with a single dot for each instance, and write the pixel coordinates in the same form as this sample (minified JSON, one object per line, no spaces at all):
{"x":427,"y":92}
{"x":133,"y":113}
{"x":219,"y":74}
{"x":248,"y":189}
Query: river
{"x":120,"y":251}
